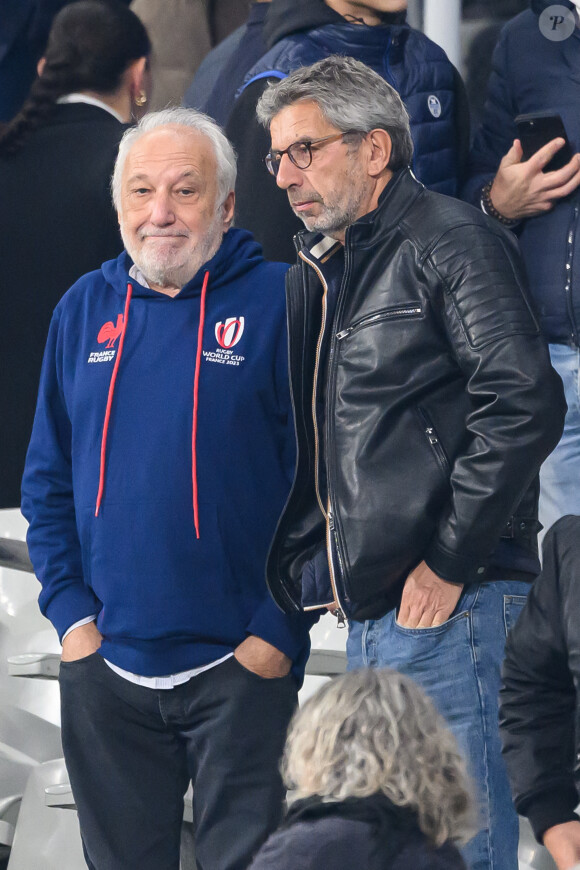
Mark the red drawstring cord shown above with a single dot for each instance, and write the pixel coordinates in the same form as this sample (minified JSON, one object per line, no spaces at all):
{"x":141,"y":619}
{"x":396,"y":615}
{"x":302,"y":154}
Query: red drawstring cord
{"x":195,"y":404}
{"x":110,"y":402}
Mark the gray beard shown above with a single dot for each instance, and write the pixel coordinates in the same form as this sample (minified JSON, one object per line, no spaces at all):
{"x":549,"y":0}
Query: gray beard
{"x":336,"y":219}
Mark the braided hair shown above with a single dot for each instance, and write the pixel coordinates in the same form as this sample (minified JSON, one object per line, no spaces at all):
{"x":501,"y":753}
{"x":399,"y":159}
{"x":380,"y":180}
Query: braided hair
{"x":90,"y":45}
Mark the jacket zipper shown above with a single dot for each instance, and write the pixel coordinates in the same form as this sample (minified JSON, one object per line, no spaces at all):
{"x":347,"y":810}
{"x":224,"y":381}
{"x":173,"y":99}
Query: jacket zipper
{"x":391,"y":314}
{"x":315,"y":381}
{"x":568,"y":285}
{"x":433,"y":439}
{"x":331,"y":532}
{"x":339,"y":610}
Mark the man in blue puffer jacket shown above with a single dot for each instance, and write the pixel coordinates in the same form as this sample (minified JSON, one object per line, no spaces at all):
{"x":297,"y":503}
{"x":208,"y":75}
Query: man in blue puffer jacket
{"x":536,"y":68}
{"x":301,"y":32}
{"x":160,"y":458}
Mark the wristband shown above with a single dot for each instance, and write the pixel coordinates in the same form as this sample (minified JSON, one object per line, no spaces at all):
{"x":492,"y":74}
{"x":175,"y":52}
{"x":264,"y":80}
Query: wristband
{"x":489,"y":208}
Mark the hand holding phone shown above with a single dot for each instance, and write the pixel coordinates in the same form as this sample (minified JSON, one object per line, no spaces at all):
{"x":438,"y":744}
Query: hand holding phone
{"x":537,"y":129}
{"x":525,"y":184}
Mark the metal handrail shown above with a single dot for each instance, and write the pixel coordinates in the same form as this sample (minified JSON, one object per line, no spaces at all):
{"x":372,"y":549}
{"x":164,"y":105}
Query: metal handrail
{"x":14,"y":554}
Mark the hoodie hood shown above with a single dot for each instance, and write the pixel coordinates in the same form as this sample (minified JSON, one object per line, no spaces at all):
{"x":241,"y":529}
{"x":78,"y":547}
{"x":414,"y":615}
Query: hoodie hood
{"x":237,"y":254}
{"x":286,"y":17}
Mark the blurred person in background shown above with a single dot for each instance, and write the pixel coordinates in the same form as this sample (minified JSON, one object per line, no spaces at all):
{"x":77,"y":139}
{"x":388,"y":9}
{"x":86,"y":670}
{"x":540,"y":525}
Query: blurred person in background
{"x":182,"y":33}
{"x":180,"y":37}
{"x":379,"y":781}
{"x":221,"y":73}
{"x":536,"y":68}
{"x":56,"y":217}
{"x":540,"y":706}
{"x":25,"y":26}
{"x":300,"y":32}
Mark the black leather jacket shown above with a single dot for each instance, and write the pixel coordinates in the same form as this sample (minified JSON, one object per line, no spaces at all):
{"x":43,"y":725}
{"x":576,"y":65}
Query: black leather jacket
{"x":441,"y":403}
{"x":540,"y":707}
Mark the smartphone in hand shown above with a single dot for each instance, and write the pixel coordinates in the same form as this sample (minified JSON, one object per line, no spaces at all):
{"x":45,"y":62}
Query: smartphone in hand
{"x":537,"y":129}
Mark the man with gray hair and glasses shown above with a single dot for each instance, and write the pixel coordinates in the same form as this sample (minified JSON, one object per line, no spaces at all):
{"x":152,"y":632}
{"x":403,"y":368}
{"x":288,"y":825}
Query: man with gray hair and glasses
{"x":160,"y":458}
{"x":424,"y":404}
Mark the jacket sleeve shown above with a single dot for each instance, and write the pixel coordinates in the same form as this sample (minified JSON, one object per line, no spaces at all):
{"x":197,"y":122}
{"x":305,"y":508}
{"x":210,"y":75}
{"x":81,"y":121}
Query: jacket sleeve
{"x":497,"y":131}
{"x":47,"y":501}
{"x":538,"y":696}
{"x":517,"y":407}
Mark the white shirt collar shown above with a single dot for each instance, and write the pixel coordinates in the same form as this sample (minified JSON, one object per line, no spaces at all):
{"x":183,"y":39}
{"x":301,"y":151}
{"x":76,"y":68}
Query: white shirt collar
{"x":90,"y":101}
{"x":138,"y":276}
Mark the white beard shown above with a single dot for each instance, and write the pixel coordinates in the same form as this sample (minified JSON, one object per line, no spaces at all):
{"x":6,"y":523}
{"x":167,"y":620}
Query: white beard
{"x":174,"y":269}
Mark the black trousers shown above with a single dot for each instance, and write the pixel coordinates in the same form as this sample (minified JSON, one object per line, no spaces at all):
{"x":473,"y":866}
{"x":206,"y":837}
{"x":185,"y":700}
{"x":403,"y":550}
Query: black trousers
{"x":131,"y":752}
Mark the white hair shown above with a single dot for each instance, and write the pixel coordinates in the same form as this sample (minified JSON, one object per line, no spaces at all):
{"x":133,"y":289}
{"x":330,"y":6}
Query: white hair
{"x":192,"y":120}
{"x":375,"y":730}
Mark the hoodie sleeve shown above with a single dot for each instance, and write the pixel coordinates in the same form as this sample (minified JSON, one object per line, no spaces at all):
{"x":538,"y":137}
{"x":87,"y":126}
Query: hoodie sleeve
{"x":288,"y":632}
{"x":47,"y":500}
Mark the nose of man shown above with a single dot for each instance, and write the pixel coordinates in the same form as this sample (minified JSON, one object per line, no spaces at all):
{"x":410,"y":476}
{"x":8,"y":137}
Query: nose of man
{"x":162,"y":212}
{"x":288,"y":175}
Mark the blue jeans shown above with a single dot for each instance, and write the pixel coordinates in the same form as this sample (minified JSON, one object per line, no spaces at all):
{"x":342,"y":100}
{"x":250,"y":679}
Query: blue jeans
{"x":458,"y":665}
{"x":560,"y":473}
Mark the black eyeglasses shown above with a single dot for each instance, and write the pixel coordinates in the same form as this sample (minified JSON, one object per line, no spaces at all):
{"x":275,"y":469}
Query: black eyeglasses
{"x":300,"y":153}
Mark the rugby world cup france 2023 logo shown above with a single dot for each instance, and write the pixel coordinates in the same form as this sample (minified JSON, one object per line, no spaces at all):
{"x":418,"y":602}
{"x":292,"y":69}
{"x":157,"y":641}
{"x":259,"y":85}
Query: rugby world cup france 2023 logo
{"x":229,"y":332}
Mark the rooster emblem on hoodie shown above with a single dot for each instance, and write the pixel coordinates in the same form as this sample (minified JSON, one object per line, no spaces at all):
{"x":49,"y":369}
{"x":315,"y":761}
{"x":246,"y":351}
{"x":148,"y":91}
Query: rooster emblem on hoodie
{"x":109,"y":332}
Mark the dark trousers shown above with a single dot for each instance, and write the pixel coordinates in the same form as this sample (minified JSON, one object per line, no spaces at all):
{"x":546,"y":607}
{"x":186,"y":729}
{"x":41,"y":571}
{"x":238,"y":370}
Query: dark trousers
{"x":131,"y":752}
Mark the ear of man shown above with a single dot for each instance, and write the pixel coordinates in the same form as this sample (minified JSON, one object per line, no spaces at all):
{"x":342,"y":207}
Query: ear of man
{"x":228,"y":210}
{"x":380,"y":147}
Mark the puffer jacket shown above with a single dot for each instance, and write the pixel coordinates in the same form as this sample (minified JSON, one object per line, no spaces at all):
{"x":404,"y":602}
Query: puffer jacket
{"x":540,"y":709}
{"x":543,"y":77}
{"x":441,"y":404}
{"x":307,"y":31}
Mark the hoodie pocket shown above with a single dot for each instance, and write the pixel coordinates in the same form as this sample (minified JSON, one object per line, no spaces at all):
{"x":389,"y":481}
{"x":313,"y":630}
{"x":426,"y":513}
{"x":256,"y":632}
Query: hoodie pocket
{"x":155,"y":578}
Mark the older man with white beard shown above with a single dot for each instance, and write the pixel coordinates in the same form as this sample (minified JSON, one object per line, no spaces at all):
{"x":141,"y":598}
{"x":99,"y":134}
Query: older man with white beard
{"x":160,"y":459}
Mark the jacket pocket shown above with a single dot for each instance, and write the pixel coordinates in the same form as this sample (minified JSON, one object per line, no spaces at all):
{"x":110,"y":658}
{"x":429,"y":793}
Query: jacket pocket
{"x":434,"y":441}
{"x":395,"y":313}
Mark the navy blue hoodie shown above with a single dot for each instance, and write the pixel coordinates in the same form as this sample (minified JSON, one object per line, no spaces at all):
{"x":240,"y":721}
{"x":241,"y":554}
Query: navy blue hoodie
{"x":160,"y":460}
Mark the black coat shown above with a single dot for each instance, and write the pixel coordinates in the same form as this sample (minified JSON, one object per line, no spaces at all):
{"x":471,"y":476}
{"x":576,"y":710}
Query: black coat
{"x":441,"y":404}
{"x":540,"y":708}
{"x":369,"y":833}
{"x":56,"y":223}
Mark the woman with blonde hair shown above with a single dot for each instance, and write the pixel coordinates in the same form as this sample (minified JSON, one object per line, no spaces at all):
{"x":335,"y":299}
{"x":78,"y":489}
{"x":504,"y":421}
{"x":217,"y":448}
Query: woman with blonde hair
{"x":378,"y":782}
